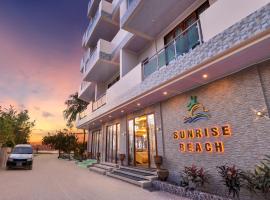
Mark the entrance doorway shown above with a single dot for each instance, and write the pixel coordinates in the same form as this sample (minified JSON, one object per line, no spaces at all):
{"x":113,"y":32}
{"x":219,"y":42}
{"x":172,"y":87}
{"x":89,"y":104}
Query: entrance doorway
{"x":141,"y":140}
{"x":112,"y":143}
{"x":95,"y":143}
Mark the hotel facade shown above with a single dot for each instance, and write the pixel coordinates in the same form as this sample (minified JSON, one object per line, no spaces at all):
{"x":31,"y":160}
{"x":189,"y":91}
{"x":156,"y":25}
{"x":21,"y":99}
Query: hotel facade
{"x":188,"y":80}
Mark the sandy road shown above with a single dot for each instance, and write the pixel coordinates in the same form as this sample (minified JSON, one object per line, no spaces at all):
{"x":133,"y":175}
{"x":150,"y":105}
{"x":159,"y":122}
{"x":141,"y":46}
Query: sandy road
{"x":53,"y":179}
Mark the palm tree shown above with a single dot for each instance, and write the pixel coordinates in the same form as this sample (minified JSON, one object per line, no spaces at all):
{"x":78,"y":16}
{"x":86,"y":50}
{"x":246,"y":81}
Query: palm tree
{"x":74,"y":107}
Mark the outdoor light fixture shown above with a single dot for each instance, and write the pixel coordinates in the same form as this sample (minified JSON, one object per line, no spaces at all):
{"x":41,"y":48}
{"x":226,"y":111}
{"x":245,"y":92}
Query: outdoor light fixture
{"x":138,"y":104}
{"x":259,"y":114}
{"x":122,"y":111}
{"x":165,"y":93}
{"x":205,"y":76}
{"x":110,"y":116}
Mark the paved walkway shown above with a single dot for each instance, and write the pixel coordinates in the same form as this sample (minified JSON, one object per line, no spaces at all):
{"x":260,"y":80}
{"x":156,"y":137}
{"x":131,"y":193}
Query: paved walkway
{"x":53,"y":179}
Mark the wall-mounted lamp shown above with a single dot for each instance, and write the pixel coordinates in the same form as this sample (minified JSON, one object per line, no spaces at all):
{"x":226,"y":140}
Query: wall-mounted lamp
{"x":259,"y":113}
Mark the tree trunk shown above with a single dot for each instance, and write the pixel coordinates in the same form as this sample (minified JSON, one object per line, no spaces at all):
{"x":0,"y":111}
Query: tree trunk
{"x":59,"y":153}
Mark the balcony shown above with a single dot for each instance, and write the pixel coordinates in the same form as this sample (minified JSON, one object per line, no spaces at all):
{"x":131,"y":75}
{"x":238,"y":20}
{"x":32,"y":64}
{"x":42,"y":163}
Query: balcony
{"x":85,"y":113}
{"x":101,"y":101}
{"x":86,"y":91}
{"x":99,"y":66}
{"x":182,"y":44}
{"x":102,"y":24}
{"x":148,"y":18}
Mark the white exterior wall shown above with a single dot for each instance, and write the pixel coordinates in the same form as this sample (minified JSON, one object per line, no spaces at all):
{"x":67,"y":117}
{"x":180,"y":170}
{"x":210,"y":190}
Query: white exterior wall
{"x":229,"y":14}
{"x":131,"y":79}
{"x":128,"y":61}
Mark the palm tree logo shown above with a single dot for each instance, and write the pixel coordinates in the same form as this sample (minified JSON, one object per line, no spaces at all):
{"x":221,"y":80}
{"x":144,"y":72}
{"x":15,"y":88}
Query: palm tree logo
{"x":196,"y":111}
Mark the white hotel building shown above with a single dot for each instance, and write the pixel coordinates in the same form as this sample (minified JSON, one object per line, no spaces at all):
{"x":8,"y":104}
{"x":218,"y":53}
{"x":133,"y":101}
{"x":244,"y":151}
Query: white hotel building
{"x":170,"y":78}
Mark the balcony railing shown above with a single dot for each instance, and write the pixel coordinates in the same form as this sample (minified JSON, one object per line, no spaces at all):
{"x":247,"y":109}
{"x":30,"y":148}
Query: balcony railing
{"x":84,"y":85}
{"x":101,"y":101}
{"x":86,"y":112}
{"x":182,"y":44}
{"x":89,"y":59}
{"x":89,"y":5}
{"x":129,"y":3}
{"x":91,"y":25}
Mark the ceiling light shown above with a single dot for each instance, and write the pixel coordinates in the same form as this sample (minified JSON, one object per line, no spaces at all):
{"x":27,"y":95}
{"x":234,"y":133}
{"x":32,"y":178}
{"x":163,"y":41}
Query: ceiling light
{"x":122,"y":111}
{"x":138,"y":104}
{"x":165,"y":93}
{"x":205,"y":76}
{"x":110,"y":116}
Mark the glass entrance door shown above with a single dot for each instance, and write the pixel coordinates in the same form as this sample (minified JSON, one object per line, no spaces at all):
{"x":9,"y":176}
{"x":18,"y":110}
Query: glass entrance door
{"x":95,"y":143}
{"x":141,"y":140}
{"x":112,"y":143}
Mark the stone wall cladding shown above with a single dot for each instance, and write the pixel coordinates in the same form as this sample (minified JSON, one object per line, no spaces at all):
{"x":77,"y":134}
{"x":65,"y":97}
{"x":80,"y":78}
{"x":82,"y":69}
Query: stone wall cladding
{"x":248,"y":27}
{"x":180,"y":191}
{"x":232,"y":100}
{"x":264,"y":70}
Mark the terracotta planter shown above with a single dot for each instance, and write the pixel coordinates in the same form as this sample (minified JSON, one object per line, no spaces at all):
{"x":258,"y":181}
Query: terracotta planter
{"x":163,"y":174}
{"x":122,"y":158}
{"x":98,"y":157}
{"x":158,"y":161}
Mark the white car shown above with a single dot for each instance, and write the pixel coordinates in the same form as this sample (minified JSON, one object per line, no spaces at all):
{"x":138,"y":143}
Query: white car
{"x":21,"y":157}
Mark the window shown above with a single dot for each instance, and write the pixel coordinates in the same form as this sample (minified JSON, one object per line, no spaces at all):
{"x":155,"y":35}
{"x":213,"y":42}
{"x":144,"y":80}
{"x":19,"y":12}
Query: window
{"x":184,"y":36}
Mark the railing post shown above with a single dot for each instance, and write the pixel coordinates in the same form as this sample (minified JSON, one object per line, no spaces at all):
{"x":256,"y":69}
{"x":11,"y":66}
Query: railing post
{"x":200,"y":31}
{"x":174,"y":43}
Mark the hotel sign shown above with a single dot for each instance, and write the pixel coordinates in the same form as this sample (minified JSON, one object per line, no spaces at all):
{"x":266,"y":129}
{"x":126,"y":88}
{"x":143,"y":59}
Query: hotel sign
{"x":216,"y":134}
{"x":190,"y":139}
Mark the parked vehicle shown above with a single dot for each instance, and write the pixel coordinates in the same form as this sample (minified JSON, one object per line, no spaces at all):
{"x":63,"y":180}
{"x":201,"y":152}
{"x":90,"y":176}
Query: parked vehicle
{"x":21,"y":157}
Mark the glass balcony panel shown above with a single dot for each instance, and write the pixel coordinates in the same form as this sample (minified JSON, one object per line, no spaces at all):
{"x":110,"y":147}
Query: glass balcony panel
{"x":161,"y":59}
{"x":170,"y":52}
{"x":193,"y":36}
{"x":181,"y":45}
{"x":150,"y":66}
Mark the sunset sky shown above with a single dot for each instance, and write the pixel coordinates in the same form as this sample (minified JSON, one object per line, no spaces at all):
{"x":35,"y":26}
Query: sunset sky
{"x":40,"y":52}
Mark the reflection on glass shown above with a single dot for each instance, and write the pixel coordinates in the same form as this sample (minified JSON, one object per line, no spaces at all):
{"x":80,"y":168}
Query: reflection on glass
{"x":111,"y":143}
{"x":118,"y":140}
{"x":141,"y":141}
{"x":131,"y":141}
{"x":152,"y":135}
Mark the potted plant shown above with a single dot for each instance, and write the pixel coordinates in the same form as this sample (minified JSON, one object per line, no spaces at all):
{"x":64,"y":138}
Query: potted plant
{"x":163,"y":174}
{"x":232,"y":179}
{"x":122,"y":158}
{"x":193,"y":177}
{"x":158,"y":161}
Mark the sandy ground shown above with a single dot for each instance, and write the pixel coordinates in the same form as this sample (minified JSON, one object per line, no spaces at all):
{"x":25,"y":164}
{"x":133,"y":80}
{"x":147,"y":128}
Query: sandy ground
{"x":53,"y":179}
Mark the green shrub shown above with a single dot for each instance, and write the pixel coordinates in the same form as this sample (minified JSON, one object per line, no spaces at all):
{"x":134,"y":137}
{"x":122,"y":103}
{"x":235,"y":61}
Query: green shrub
{"x":258,"y":181}
{"x":232,"y":179}
{"x":193,"y":177}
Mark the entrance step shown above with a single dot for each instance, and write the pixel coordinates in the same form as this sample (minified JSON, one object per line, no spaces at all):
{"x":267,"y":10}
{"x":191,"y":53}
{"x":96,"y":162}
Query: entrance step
{"x":102,"y":168}
{"x":140,"y":174}
{"x":144,"y":183}
{"x":105,"y":167}
{"x":147,"y":171}
{"x":97,"y":170}
{"x":110,"y":164}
